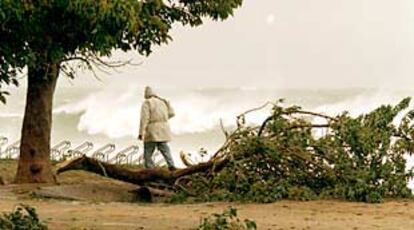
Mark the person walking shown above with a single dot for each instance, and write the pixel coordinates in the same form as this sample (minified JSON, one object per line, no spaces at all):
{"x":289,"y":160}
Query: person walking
{"x":154,"y":129}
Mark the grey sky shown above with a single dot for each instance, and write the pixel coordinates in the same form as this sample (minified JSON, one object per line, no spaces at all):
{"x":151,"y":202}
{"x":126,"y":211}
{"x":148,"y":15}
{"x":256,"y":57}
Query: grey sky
{"x":288,"y":44}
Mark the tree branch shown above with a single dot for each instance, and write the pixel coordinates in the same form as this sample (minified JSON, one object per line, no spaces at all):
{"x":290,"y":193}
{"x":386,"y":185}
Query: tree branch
{"x":138,"y":177}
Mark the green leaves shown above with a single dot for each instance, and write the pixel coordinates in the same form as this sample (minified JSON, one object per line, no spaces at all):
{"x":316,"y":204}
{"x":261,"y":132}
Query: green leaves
{"x":226,"y":220}
{"x":34,"y":33}
{"x":7,"y":77}
{"x":357,"y":159}
{"x":98,"y":26}
{"x":216,"y":9}
{"x":23,"y":218}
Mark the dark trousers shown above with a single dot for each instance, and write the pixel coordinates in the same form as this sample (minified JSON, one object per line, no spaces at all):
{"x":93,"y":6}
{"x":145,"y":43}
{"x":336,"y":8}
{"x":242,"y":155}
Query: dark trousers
{"x":165,"y":150}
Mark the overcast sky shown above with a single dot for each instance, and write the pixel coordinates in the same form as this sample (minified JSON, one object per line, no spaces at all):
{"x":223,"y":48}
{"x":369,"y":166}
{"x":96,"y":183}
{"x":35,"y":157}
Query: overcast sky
{"x":287,"y":44}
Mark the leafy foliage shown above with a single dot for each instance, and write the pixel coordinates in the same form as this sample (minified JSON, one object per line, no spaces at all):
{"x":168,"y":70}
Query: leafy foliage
{"x":35,"y":34}
{"x":23,"y":218}
{"x":357,"y":159}
{"x":226,"y":220}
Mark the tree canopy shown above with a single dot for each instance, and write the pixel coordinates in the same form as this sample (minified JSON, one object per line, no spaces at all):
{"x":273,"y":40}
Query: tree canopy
{"x":35,"y":32}
{"x":43,"y":36}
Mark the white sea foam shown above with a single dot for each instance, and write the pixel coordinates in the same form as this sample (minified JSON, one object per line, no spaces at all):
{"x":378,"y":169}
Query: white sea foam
{"x":116,"y":113}
{"x":362,"y":103}
{"x":10,"y":115}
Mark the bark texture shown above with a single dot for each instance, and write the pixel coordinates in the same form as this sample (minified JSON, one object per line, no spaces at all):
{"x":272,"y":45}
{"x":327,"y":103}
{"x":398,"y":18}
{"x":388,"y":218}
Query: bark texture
{"x":34,"y":161}
{"x":138,"y":177}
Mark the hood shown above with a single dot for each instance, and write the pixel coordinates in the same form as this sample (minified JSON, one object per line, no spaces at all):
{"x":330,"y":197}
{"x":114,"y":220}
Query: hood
{"x":149,"y":92}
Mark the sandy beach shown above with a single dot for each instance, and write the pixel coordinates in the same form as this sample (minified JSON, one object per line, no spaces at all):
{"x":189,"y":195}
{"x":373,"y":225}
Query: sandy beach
{"x":280,"y":215}
{"x":88,"y":201}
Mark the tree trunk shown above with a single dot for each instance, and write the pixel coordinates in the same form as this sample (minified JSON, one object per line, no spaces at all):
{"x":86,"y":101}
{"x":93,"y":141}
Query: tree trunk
{"x":138,"y":177}
{"x":34,"y":161}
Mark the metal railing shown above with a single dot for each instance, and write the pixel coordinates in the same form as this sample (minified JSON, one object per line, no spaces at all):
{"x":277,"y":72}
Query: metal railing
{"x":58,"y":151}
{"x":3,"y":142}
{"x":12,"y":151}
{"x":126,"y":156}
{"x":62,"y":151}
{"x":102,"y":153}
{"x":156,"y":157}
{"x":79,"y":151}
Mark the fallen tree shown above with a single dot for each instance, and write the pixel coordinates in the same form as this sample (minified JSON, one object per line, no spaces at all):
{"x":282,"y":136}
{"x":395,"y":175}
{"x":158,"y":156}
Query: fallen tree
{"x":143,"y":177}
{"x":291,"y":156}
{"x":138,"y":177}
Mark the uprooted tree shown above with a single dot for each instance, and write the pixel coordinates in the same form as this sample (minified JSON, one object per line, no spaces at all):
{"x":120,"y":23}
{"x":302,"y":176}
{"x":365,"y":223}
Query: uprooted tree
{"x":54,"y":37}
{"x":292,"y":156}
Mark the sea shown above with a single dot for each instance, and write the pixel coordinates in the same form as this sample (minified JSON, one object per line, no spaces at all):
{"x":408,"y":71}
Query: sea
{"x":110,"y":115}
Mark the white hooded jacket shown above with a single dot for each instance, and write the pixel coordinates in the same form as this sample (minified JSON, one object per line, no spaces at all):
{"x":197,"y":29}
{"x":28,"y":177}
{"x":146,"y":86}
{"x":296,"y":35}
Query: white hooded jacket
{"x":155,"y":113}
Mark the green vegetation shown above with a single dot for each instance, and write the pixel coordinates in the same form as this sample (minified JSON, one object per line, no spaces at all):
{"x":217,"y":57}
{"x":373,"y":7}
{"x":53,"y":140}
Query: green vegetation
{"x":35,"y":34}
{"x":227,"y":220}
{"x":23,"y":218}
{"x":58,"y":37}
{"x":357,"y":159}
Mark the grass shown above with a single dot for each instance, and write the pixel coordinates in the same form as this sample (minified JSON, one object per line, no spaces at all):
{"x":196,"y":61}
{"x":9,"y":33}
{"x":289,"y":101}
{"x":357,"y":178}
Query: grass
{"x":8,"y":169}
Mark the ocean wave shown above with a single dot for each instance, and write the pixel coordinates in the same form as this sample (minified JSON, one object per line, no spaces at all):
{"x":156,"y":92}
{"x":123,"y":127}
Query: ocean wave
{"x":115,"y":113}
{"x":365,"y":103}
{"x":10,"y":115}
{"x":362,"y":103}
